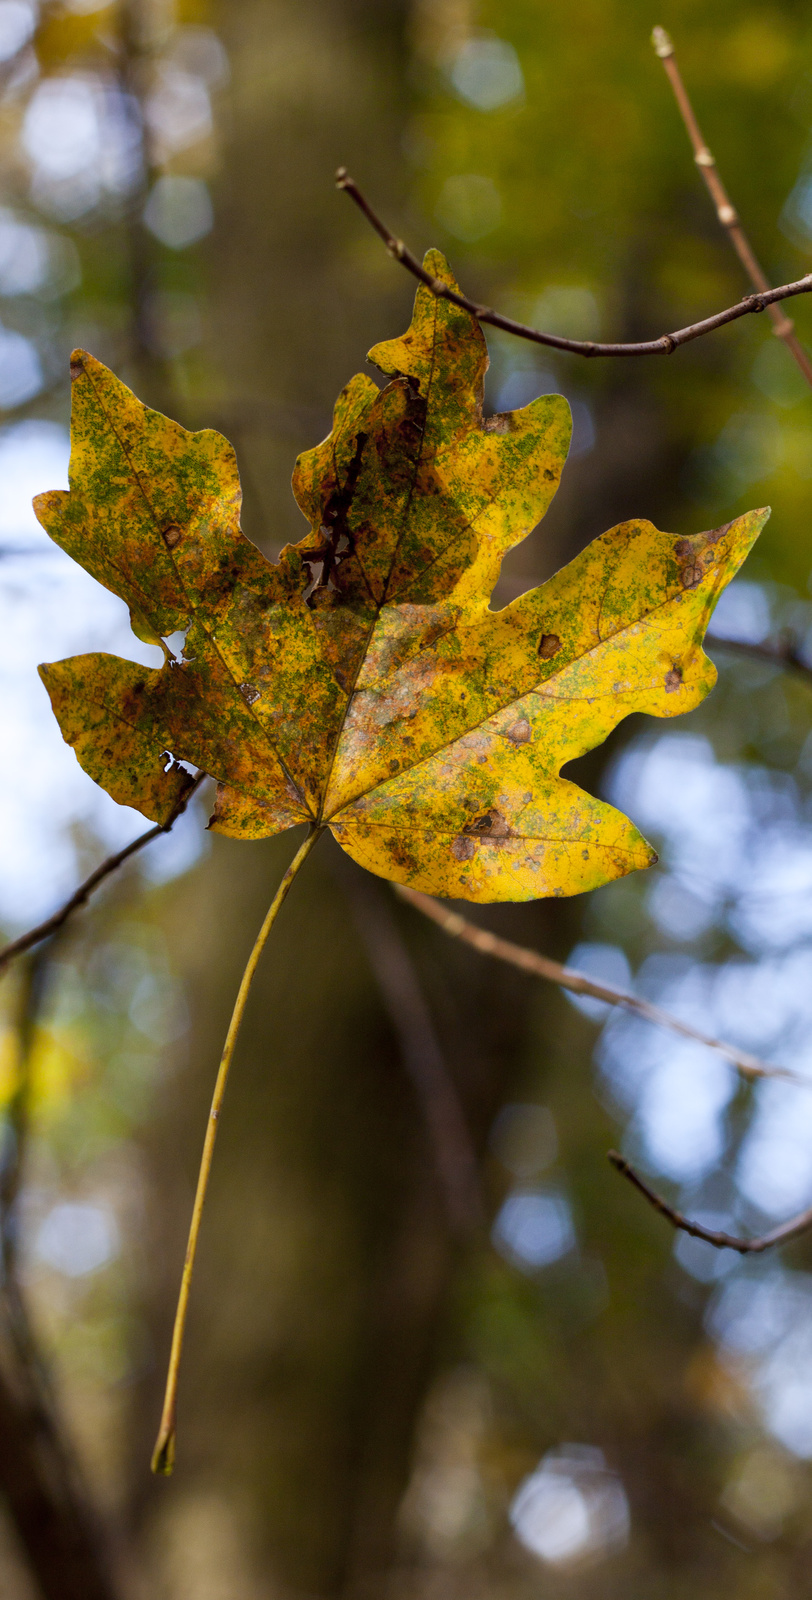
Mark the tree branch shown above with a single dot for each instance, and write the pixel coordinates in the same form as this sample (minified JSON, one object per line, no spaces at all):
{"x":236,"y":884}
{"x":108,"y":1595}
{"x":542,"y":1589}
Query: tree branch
{"x":663,"y":346}
{"x":454,"y":1154}
{"x":783,"y":654}
{"x":720,"y":1241}
{"x":783,"y":326}
{"x":516,"y":955}
{"x":43,"y":930}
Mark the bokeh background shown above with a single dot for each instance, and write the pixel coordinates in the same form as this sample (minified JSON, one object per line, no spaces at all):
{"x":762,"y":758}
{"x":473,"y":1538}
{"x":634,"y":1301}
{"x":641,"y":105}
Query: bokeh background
{"x":392,"y":1387}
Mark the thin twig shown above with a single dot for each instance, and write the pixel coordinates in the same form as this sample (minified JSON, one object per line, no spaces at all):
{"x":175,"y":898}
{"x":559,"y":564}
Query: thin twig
{"x":783,"y":326}
{"x":400,"y":989}
{"x":489,"y":944}
{"x":663,"y":346}
{"x":720,"y":1241}
{"x":784,"y":654}
{"x":43,"y":930}
{"x":163,"y":1458}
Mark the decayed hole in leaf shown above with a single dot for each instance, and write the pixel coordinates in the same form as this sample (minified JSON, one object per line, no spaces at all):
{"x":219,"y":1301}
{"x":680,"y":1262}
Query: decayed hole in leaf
{"x":549,"y":646}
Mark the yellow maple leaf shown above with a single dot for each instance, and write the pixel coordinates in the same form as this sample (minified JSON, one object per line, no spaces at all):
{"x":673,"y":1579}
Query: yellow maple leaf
{"x":363,"y":682}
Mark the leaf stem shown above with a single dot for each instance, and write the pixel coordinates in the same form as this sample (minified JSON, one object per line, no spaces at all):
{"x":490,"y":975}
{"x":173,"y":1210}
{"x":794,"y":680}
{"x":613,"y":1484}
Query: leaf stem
{"x":164,"y":1455}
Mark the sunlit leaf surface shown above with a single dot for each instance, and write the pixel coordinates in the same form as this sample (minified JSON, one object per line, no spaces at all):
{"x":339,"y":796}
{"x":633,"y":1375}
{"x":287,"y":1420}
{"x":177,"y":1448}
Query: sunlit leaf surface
{"x":363,"y":681}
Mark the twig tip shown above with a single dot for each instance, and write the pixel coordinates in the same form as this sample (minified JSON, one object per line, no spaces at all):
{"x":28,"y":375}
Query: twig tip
{"x":662,"y":43}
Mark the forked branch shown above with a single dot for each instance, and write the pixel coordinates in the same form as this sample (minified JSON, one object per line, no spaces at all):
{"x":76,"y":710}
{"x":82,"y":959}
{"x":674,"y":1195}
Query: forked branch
{"x":516,"y":955}
{"x":663,"y":346}
{"x":783,"y":326}
{"x":720,"y":1241}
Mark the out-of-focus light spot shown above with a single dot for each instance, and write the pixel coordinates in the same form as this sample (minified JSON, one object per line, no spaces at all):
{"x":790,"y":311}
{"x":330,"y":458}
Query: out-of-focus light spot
{"x":486,"y":73}
{"x":679,"y":913}
{"x":77,"y":1238}
{"x":568,"y":310}
{"x":680,"y":1109}
{"x":583,"y":429}
{"x":157,"y":1012}
{"x":83,"y":139}
{"x":178,"y":111}
{"x":604,"y":963}
{"x":743,"y":610}
{"x":24,"y":256}
{"x":776,"y":375}
{"x":572,"y":1508}
{"x":768,"y":1318}
{"x":198,"y":50}
{"x":749,"y":449}
{"x":20,"y":369}
{"x":175,"y":323}
{"x":763,"y":1491}
{"x":796,"y":217}
{"x":469,"y":206}
{"x":523,"y":385}
{"x":179,"y":211}
{"x":534,"y":1228}
{"x":33,"y":261}
{"x":60,"y":129}
{"x":775,"y":1166}
{"x":17,"y":23}
{"x":524,"y":1139}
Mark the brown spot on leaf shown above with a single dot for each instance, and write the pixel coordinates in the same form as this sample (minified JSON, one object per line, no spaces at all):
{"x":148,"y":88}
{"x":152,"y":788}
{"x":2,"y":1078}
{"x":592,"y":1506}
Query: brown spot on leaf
{"x":683,"y":549}
{"x":491,"y":825}
{"x":462,"y":848}
{"x":673,"y":679}
{"x":249,"y":693}
{"x":691,"y":576}
{"x":172,"y":536}
{"x":519,"y":732}
{"x":76,"y":366}
{"x":549,"y":646}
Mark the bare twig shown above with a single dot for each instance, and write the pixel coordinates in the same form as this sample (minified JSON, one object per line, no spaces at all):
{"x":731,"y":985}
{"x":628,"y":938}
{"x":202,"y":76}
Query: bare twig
{"x":783,"y":654}
{"x":663,"y":346}
{"x":578,"y":983}
{"x":783,"y":326}
{"x":399,"y":986}
{"x":43,"y":930}
{"x":720,"y":1241}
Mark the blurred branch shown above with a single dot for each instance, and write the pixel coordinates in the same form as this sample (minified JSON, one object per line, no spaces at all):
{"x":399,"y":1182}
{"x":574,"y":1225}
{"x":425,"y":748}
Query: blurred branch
{"x":43,"y":930}
{"x":400,"y":989}
{"x":663,"y":346}
{"x":40,"y":1476}
{"x":489,"y":944}
{"x":720,"y":1241}
{"x":783,"y":654}
{"x":783,"y":327}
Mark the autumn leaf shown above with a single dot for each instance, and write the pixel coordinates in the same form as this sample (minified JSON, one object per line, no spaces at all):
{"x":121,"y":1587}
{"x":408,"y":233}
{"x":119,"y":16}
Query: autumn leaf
{"x":363,"y":682}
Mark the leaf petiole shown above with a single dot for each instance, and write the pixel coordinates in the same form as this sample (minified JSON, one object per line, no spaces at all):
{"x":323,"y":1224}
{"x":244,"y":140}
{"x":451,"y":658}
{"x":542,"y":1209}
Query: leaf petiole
{"x":163,"y":1458}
